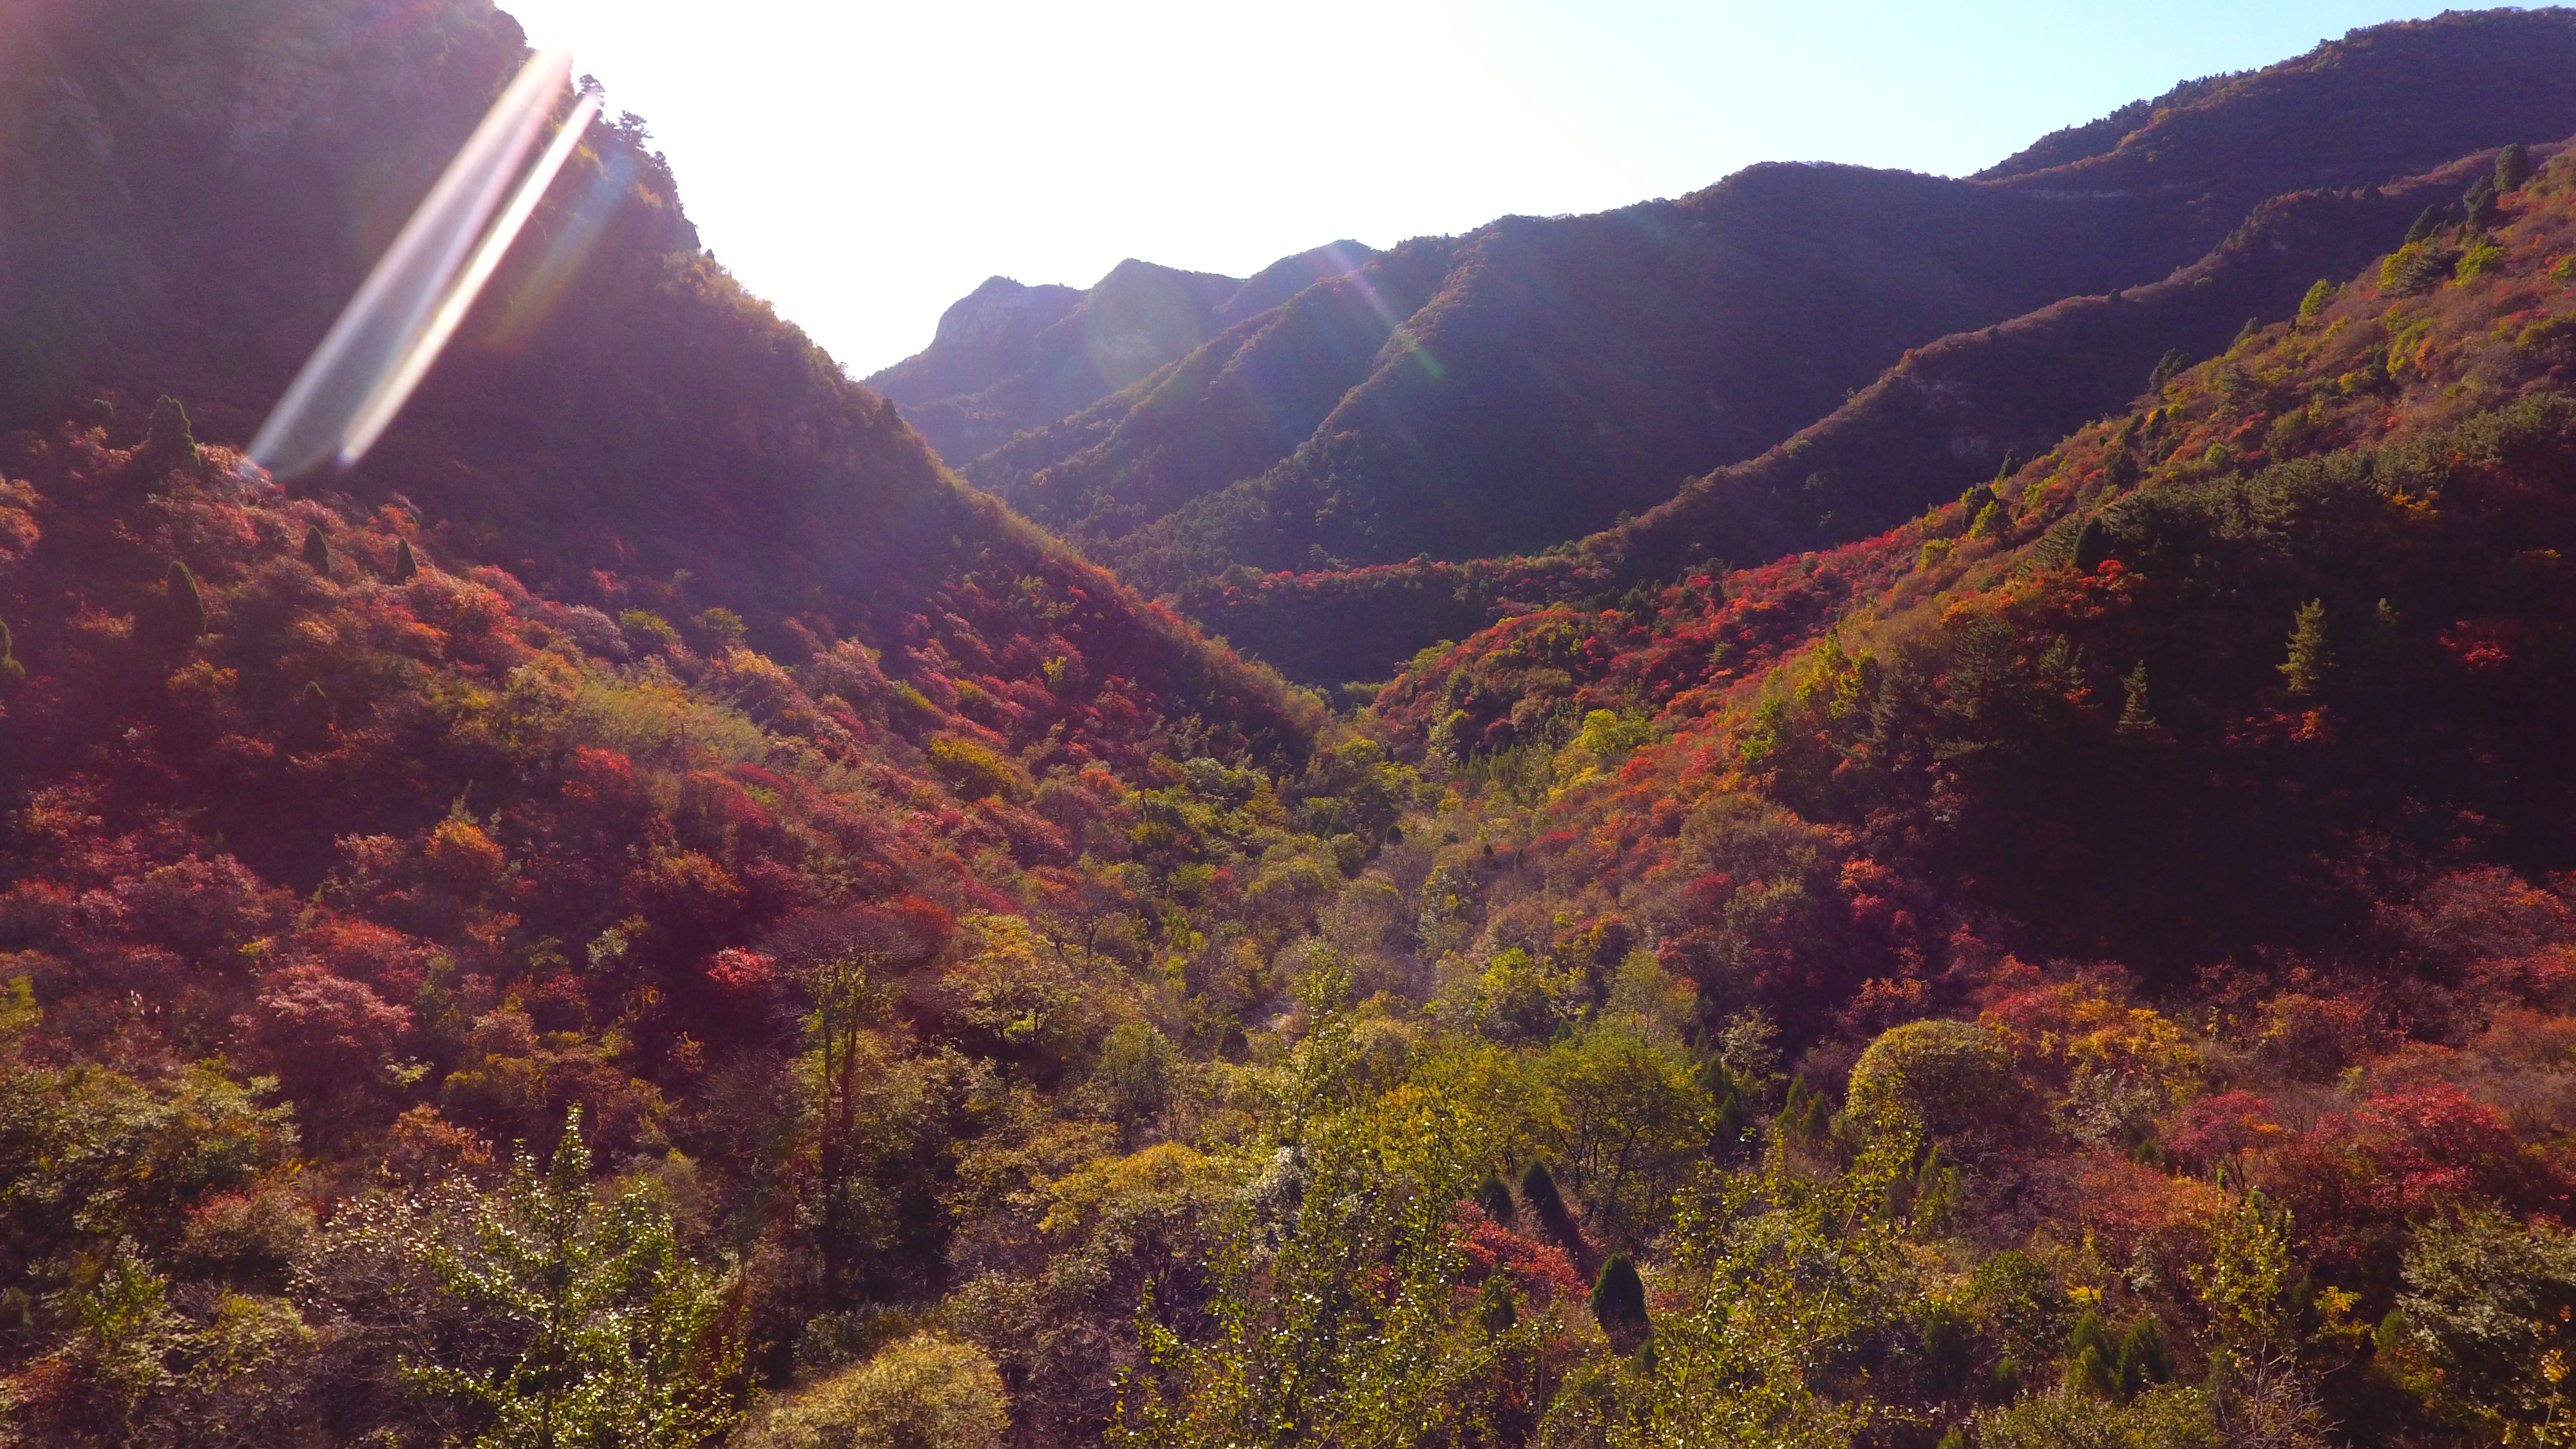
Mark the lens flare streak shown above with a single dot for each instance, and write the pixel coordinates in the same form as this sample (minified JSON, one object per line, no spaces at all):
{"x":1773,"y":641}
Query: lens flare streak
{"x":411,"y":304}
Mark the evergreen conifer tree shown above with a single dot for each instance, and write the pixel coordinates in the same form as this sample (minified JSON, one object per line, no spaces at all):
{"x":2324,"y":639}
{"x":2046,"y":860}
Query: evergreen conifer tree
{"x":2309,"y":662}
{"x":2427,"y":222}
{"x":1619,"y":1298}
{"x":170,"y":438}
{"x":1495,"y":1199}
{"x":2173,"y":364}
{"x":2319,"y":297}
{"x":317,"y":551}
{"x":1538,"y":1192}
{"x":10,"y":668}
{"x":2513,"y":167}
{"x":2135,"y":717}
{"x":406,"y":563}
{"x":2481,"y":202}
{"x":1494,"y":1306}
{"x":2092,"y":545}
{"x":2144,"y":1359}
{"x":2092,"y":1361}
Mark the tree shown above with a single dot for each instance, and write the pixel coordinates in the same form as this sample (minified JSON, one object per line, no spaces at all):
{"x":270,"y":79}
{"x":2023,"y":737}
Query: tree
{"x":1626,"y":1120}
{"x":406,"y":563}
{"x":1538,"y":1190}
{"x":2092,"y":1361}
{"x":2144,"y":1359}
{"x":2092,"y":545}
{"x":169,"y":439}
{"x":2492,"y":1302}
{"x":317,"y":551}
{"x":1619,"y":1300}
{"x":616,"y":1335}
{"x":2512,"y":167}
{"x":2480,"y":203}
{"x":1778,"y":1276}
{"x":2168,"y":367}
{"x":2319,"y":297}
{"x":2310,"y":661}
{"x":2136,"y":718}
{"x":10,"y":668}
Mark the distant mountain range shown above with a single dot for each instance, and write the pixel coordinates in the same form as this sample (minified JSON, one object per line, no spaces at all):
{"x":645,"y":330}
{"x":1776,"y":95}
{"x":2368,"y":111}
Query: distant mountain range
{"x":1531,"y":382}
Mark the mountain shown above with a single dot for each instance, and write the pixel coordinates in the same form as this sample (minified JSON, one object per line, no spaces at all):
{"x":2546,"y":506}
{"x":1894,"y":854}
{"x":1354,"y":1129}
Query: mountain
{"x":1526,"y":383}
{"x":1943,"y":419}
{"x":1008,"y":359}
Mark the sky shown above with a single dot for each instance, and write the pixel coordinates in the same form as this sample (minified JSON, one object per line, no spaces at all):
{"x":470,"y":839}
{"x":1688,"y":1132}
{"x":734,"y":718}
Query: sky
{"x":862,"y":163}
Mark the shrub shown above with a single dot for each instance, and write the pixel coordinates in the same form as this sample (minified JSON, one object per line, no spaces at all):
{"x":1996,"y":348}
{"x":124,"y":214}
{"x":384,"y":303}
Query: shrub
{"x":925,"y":1392}
{"x":972,"y":770}
{"x":2172,"y":1418}
{"x":1951,"y":1074}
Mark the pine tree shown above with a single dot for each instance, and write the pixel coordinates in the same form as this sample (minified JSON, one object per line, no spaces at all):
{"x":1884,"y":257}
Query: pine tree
{"x":406,"y":563}
{"x":170,"y":438}
{"x":184,"y":603}
{"x":2309,"y":660}
{"x":1538,"y":1191}
{"x":2513,"y":167}
{"x":2135,"y":718}
{"x":2427,"y":222}
{"x":2319,"y":297}
{"x":1494,"y":1306}
{"x":2092,"y":1362}
{"x":2092,"y":545}
{"x":317,"y":551}
{"x":2481,"y":202}
{"x":2168,"y":367}
{"x":10,"y":668}
{"x":2143,"y":1359}
{"x":1619,"y":1298}
{"x":1495,"y":1199}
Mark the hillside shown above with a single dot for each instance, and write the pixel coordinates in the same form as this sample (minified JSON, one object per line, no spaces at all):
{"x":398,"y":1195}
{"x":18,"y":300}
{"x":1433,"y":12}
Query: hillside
{"x":1944,"y":418}
{"x":1553,"y":373}
{"x":2085,"y":966}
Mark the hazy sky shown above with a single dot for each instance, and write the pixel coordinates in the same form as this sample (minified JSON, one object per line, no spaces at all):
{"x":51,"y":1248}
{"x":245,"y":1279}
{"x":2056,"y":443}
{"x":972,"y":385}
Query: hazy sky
{"x":864,"y":164}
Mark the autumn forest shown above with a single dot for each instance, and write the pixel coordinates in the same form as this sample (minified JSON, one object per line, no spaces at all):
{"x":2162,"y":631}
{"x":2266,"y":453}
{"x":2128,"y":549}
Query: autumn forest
{"x":1383,"y":876}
